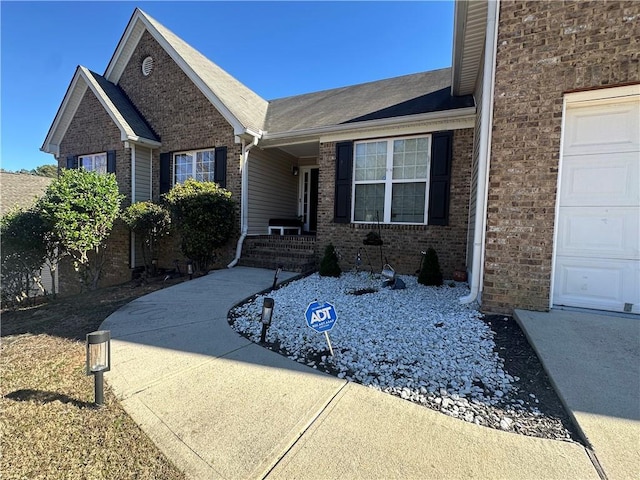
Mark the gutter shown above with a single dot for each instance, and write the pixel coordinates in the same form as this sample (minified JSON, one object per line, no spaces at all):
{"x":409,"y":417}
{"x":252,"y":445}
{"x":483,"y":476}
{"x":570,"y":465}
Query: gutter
{"x":244,"y":196}
{"x":271,"y":139}
{"x":488,"y":88}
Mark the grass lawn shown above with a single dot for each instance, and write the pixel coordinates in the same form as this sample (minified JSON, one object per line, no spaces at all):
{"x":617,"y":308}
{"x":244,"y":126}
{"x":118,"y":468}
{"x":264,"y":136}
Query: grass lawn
{"x":49,"y":426}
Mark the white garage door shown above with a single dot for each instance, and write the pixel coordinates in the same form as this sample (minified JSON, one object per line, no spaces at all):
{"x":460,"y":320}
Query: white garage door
{"x":597,"y":262}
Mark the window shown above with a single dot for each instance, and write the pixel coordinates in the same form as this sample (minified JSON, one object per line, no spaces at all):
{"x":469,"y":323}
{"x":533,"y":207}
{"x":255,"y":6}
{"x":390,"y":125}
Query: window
{"x":390,"y":179}
{"x":196,"y":164}
{"x":96,"y":162}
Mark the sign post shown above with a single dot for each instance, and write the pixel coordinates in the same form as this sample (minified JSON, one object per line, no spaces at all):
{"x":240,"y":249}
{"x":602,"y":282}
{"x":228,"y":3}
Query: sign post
{"x":321,"y":316}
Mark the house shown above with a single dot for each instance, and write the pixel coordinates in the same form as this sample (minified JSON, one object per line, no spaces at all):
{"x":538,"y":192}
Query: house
{"x":555,"y":204}
{"x":21,"y":190}
{"x":467,"y":160}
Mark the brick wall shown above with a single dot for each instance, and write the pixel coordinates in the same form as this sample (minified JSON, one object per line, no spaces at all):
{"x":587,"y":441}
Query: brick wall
{"x":402,"y":243}
{"x":184,"y":119}
{"x":93,"y":131}
{"x":544,"y":50}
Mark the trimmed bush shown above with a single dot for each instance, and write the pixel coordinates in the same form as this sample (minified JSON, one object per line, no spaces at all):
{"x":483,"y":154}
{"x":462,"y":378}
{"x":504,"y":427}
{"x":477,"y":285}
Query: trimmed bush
{"x":149,"y":222}
{"x":329,"y":266}
{"x":204,"y":215}
{"x":430,"y":273}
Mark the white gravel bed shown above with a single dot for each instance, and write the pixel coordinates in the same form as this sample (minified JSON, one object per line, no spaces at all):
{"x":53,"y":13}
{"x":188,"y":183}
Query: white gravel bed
{"x":419,"y":343}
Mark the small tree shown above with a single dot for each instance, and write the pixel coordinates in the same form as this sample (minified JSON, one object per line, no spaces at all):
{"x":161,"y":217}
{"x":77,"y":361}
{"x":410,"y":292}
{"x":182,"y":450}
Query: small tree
{"x":204,"y":215}
{"x":149,"y":222}
{"x":430,"y":273}
{"x":23,"y":254}
{"x":329,"y":266}
{"x":80,"y":208}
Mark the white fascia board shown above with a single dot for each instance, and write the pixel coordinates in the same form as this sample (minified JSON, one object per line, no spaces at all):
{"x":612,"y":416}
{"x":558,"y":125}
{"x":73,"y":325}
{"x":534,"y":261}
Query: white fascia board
{"x":125,"y":48}
{"x":459,"y":23}
{"x":446,"y":120}
{"x":65,"y":113}
{"x":144,"y":141}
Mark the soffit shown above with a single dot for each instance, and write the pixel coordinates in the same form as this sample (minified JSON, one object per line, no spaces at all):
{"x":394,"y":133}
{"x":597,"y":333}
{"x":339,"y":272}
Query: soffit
{"x":470,"y":22}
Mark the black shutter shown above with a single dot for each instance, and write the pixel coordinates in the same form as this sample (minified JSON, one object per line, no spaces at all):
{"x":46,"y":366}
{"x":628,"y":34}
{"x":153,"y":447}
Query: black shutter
{"x":220,"y":174}
{"x":441,"y":154}
{"x":72,"y":161}
{"x":165,"y":172}
{"x":344,"y":168}
{"x":111,"y":161}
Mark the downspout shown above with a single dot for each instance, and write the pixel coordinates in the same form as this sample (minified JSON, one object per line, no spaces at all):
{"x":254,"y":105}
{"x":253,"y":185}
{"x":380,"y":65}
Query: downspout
{"x":484,"y":154}
{"x":244,"y":197}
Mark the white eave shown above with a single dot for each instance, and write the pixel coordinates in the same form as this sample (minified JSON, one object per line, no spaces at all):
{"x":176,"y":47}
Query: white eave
{"x":470,"y":19}
{"x":79,"y":84}
{"x":447,"y":119}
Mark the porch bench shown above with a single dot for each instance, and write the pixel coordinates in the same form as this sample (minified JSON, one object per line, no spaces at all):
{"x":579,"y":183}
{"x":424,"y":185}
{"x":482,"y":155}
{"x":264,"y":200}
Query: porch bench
{"x":283,"y":225}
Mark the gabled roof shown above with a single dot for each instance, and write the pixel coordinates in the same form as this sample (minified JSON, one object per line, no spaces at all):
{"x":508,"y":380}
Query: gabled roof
{"x":242,"y":108}
{"x":124,"y":115}
{"x":414,"y":94}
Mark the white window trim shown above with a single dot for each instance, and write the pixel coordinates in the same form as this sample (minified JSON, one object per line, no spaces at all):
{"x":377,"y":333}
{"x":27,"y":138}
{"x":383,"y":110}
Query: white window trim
{"x":92,"y":156}
{"x":193,"y":164}
{"x":390,"y":181}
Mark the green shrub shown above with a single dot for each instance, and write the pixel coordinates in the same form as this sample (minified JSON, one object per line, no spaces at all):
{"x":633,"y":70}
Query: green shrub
{"x":23,"y":253}
{"x":204,"y":215}
{"x":79,"y":208}
{"x":430,"y":273}
{"x":329,"y":266}
{"x":149,"y":222}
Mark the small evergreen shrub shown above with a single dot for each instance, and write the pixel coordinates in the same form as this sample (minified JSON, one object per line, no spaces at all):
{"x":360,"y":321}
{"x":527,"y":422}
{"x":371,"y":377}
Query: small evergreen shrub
{"x":430,"y":273}
{"x":329,"y":266}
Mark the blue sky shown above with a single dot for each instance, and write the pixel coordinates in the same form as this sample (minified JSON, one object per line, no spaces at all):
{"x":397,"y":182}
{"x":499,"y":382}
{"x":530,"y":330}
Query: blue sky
{"x":277,"y":49}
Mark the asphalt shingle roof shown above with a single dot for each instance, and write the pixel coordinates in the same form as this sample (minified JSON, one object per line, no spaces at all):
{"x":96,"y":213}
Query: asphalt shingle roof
{"x":395,"y":97}
{"x":125,"y":107}
{"x":20,"y":190}
{"x":247,"y":106}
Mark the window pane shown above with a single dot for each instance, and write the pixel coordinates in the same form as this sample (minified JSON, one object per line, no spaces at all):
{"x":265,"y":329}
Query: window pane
{"x":371,"y":161}
{"x":369,"y":200}
{"x":204,"y":166}
{"x":410,"y":158}
{"x":100,"y":163}
{"x":183,"y":167}
{"x":94,"y":163}
{"x":407,"y":202}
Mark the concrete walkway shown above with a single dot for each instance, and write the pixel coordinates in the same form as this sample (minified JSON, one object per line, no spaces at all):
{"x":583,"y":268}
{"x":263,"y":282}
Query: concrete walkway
{"x":593,"y":361}
{"x":220,"y":406}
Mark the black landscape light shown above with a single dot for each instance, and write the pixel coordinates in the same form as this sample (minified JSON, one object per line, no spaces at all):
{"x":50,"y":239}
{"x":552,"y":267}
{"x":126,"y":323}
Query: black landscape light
{"x":267,"y":314}
{"x":275,"y":277}
{"x":190,"y":270}
{"x":98,"y":360}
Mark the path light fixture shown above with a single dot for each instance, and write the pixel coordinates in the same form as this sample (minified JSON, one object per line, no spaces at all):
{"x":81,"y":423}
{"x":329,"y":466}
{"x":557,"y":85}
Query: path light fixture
{"x":267,"y":314}
{"x":275,"y":277}
{"x":98,"y":360}
{"x":190,"y":270}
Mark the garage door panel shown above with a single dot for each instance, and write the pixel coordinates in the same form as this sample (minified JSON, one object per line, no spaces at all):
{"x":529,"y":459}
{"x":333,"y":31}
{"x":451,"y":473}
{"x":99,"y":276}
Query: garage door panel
{"x":603,"y":128}
{"x":597,"y":248}
{"x":610,"y":232}
{"x":611,"y":179}
{"x":600,"y":284}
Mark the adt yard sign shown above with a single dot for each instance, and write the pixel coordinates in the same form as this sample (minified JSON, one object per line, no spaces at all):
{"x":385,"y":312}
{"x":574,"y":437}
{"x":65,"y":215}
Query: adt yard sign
{"x":321,"y":316}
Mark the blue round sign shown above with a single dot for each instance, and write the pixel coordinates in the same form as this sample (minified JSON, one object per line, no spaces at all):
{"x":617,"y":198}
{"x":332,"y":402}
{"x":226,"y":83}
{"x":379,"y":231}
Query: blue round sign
{"x":321,"y":316}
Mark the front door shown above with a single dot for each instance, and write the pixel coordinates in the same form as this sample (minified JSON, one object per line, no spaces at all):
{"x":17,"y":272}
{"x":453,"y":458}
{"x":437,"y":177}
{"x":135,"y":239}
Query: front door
{"x":309,"y":197}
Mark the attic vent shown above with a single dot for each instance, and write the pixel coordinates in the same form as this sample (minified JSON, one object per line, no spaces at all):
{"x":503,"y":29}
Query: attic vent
{"x":147,"y":66}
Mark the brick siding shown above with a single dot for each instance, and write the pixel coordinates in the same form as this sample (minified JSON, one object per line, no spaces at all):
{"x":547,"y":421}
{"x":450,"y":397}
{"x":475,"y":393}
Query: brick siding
{"x":402,"y":243}
{"x":544,"y":50}
{"x":184,"y":119}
